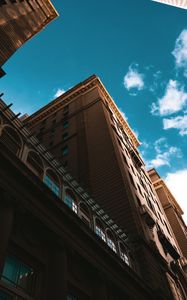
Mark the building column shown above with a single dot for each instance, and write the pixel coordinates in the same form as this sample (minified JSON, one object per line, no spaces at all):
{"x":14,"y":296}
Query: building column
{"x":57,"y":275}
{"x":6,"y":222}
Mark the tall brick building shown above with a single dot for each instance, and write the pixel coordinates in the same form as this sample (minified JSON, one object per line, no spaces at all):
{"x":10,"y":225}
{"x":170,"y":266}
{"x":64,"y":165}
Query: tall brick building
{"x":86,"y":132}
{"x":20,"y":20}
{"x":56,"y":241}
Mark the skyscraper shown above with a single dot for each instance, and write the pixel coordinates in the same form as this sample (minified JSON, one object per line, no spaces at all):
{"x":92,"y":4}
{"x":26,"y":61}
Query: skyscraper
{"x":56,"y":241}
{"x":177,"y":3}
{"x":84,"y":129}
{"x":19,"y":21}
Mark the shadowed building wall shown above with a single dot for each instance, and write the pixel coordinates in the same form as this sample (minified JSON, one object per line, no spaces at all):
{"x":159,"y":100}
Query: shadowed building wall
{"x":20,"y":20}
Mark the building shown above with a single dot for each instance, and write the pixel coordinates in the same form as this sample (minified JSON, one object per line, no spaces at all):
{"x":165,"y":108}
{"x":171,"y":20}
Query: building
{"x":177,"y":3}
{"x":20,"y":20}
{"x":86,"y":132}
{"x":57,"y":242}
{"x":173,"y":212}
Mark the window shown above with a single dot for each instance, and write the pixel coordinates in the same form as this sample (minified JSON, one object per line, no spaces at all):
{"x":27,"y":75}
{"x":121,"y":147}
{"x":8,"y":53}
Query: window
{"x":110,"y":242}
{"x":84,"y":213}
{"x":123,"y":254}
{"x":99,"y":230}
{"x":52,"y":131}
{"x":140,"y":191}
{"x":65,"y":151}
{"x":100,"y":233}
{"x":5,"y":296}
{"x":167,"y":228}
{"x":11,"y":139}
{"x":18,"y":274}
{"x":65,"y":124}
{"x":65,"y":136}
{"x":51,"y":180}
{"x":124,"y":257}
{"x":132,"y":180}
{"x":35,"y":163}
{"x":125,"y":160}
{"x":70,"y":201}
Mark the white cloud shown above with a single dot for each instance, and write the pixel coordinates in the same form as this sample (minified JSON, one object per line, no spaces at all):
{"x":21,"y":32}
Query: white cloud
{"x":180,"y":51}
{"x":179,"y":123}
{"x":173,"y":101}
{"x":133,"y":79}
{"x":176,"y":182}
{"x":59,"y":92}
{"x":164,"y":154}
{"x":164,"y":158}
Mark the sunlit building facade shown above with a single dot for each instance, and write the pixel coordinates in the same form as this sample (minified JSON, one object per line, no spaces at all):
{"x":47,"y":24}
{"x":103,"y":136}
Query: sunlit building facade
{"x":85,"y":131}
{"x":20,"y":20}
{"x":173,"y":212}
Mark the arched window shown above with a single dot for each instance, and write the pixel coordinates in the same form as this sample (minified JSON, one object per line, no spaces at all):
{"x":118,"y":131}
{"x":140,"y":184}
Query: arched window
{"x":35,"y":163}
{"x":52,"y":181}
{"x":123,"y":254}
{"x":110,"y":241}
{"x":11,"y":139}
{"x":99,"y":229}
{"x":70,"y":201}
{"x":84,"y":213}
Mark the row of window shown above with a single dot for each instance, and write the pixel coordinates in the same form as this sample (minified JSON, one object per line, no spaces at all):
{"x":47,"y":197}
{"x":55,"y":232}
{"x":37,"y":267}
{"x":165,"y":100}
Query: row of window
{"x":52,"y":180}
{"x":145,"y":184}
{"x":84,"y":213}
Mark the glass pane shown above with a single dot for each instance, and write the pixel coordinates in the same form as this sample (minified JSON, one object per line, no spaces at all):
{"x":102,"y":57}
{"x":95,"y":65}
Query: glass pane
{"x":25,"y":278}
{"x":54,"y":187}
{"x":18,"y":274}
{"x":68,"y":201}
{"x":5,"y":296}
{"x":11,"y":270}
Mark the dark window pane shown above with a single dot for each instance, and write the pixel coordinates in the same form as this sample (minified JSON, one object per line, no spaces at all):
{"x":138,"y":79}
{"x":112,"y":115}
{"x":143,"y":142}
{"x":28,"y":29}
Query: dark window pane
{"x":65,"y":136}
{"x":5,"y":296}
{"x":65,"y":124}
{"x":52,"y":185}
{"x":18,"y":274}
{"x":64,"y":151}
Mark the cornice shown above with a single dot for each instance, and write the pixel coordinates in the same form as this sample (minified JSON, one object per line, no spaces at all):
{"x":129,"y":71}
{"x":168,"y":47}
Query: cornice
{"x":81,"y":89}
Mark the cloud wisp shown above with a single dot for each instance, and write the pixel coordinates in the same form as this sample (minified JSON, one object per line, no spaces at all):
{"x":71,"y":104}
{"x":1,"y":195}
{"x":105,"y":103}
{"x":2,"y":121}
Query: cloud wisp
{"x":173,"y":100}
{"x":180,"y":52}
{"x":179,"y":122}
{"x":58,"y":93}
{"x":163,"y":154}
{"x":134,"y":80}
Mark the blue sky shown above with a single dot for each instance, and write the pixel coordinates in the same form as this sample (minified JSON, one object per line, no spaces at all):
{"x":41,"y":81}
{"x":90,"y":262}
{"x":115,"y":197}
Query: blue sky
{"x":139,"y":50}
